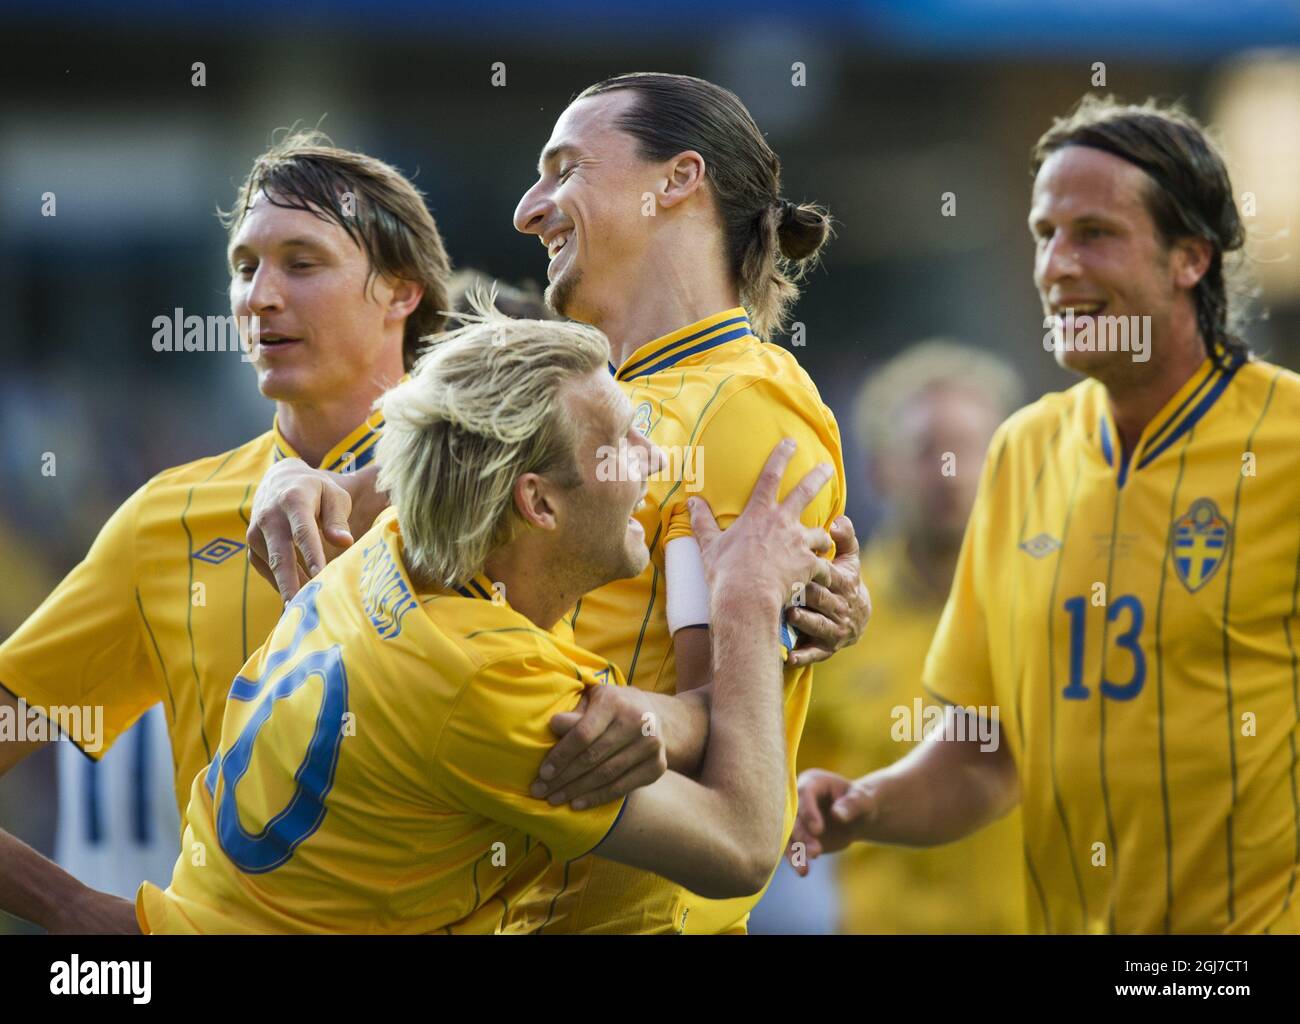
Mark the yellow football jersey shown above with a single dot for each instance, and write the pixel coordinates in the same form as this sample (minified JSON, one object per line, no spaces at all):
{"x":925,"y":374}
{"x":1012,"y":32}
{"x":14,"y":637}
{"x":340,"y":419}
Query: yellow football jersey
{"x":716,"y":401}
{"x":1135,"y":624}
{"x":866,"y":712}
{"x":164,"y":607}
{"x":374,"y":763}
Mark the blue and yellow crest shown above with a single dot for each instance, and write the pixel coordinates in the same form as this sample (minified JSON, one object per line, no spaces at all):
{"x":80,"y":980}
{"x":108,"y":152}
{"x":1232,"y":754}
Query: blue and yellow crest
{"x":1199,"y":538}
{"x":641,"y":418}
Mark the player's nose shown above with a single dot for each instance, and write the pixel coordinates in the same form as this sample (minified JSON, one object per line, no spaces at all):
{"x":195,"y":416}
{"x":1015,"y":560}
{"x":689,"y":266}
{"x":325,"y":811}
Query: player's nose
{"x":264,"y":292}
{"x":531,"y":212}
{"x":1058,"y":261}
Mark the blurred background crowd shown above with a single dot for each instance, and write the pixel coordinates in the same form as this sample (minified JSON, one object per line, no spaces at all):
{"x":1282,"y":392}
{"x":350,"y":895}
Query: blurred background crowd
{"x":911,"y":120}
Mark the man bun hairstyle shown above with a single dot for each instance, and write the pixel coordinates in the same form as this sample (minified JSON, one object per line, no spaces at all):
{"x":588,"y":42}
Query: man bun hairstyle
{"x":770,"y":242}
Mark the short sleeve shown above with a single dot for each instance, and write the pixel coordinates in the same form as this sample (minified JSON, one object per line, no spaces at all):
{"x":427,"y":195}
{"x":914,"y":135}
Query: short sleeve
{"x":494,"y":743}
{"x":734,"y":446}
{"x":84,"y":645}
{"x":958,"y":668}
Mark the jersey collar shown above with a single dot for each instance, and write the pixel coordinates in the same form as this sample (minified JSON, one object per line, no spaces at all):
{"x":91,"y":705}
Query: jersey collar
{"x":480,"y":587}
{"x":353,"y":452}
{"x":712,"y":331}
{"x":1180,"y":414}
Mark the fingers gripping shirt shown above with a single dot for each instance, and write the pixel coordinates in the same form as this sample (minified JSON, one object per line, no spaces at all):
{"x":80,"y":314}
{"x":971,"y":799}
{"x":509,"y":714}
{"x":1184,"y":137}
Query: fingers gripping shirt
{"x":715,"y":400}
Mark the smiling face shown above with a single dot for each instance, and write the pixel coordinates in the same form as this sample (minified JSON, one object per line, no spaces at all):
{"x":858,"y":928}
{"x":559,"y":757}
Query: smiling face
{"x":598,"y":530}
{"x":586,"y":207}
{"x":324,"y":327}
{"x":1099,"y":253}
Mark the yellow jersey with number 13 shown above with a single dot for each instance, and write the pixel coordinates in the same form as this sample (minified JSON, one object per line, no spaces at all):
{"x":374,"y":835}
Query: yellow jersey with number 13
{"x":1134,"y":624}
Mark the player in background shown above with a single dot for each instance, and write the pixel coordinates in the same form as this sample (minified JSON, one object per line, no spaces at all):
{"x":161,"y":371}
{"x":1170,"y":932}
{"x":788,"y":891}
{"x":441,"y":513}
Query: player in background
{"x":1125,"y":602}
{"x":338,"y":255}
{"x":924,"y":420}
{"x":659,"y":203}
{"x":375,"y":761}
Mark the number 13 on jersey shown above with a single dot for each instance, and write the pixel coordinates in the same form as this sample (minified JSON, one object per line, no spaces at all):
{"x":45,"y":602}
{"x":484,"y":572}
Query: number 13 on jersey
{"x":1126,"y":614}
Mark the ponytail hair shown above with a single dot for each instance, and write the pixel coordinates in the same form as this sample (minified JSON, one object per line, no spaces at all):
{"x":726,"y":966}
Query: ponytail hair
{"x":770,"y":242}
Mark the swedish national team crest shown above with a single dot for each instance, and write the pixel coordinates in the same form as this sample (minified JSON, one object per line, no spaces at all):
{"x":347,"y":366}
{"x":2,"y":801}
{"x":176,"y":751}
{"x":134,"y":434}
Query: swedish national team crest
{"x":641,"y":418}
{"x":1200,"y":539}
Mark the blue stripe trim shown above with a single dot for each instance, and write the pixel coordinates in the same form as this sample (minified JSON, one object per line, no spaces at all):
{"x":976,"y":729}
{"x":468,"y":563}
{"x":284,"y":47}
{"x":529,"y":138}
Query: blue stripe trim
{"x":704,"y":346}
{"x":243,"y":688}
{"x":613,"y":370}
{"x":632,"y":368}
{"x":343,"y":455}
{"x":1194,"y":416}
{"x":1185,"y":403}
{"x":210,"y":779}
{"x":476,"y":592}
{"x":1106,"y":448}
{"x":788,"y":634}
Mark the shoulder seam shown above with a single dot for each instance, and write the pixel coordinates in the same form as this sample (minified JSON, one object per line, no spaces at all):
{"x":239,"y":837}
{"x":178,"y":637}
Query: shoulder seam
{"x":460,"y":696}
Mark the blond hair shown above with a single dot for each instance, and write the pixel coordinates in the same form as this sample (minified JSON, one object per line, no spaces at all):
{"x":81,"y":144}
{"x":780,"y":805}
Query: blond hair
{"x":481,"y":407}
{"x":938,"y":362}
{"x":523,"y":302}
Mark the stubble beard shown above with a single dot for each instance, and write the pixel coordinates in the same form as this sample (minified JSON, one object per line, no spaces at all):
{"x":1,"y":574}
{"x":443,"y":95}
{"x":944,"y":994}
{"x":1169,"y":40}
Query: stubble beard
{"x":559,"y":293}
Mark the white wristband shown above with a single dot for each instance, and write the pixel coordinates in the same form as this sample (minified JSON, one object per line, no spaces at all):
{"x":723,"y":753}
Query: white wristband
{"x":688,"y":590}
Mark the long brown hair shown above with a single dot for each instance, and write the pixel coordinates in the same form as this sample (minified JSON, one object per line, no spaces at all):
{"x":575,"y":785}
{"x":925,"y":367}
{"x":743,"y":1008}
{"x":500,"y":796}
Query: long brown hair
{"x":1190,"y":196}
{"x":386,"y":216}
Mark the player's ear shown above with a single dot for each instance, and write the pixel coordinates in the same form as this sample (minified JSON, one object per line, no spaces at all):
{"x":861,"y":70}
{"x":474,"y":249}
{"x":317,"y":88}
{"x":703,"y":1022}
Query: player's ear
{"x":685,"y":175}
{"x":406,"y":296}
{"x":1191,"y":259}
{"x":533,"y":501}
